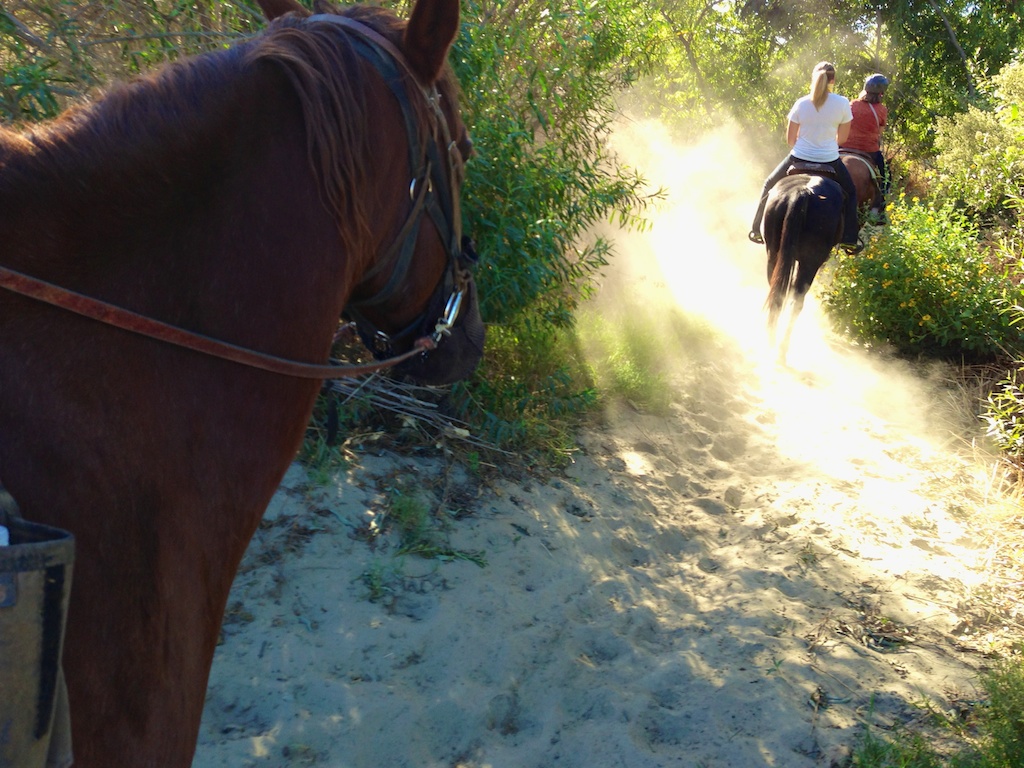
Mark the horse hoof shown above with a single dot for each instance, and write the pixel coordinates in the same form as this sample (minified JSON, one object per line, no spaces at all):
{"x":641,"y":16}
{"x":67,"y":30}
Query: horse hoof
{"x":755,"y":237}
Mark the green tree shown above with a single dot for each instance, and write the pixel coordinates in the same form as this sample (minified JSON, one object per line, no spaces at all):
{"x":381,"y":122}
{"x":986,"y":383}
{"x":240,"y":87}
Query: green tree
{"x":942,"y":50}
{"x":747,"y":60}
{"x":541,"y":77}
{"x":540,"y":80}
{"x":54,"y":52}
{"x":979,"y":165}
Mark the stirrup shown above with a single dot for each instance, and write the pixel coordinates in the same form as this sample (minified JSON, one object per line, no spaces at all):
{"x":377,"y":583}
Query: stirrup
{"x":755,"y":237}
{"x":853,"y":249}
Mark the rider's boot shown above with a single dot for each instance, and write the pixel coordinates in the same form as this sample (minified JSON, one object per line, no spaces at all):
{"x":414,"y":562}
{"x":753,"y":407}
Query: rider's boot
{"x":754,"y":235}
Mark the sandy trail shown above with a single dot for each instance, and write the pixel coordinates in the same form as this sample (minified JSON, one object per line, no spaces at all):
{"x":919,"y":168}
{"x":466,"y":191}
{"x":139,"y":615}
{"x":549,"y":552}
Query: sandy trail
{"x":745,"y":580}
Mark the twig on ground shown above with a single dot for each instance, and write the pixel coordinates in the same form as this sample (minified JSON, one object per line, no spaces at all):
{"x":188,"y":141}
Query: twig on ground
{"x":413,"y":403}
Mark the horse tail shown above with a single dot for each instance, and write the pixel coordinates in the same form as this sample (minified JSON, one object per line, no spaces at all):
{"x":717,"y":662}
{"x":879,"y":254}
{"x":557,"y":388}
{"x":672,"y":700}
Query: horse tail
{"x":781,"y":281}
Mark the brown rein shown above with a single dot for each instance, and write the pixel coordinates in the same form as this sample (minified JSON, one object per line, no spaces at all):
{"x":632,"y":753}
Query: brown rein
{"x":127,"y":320}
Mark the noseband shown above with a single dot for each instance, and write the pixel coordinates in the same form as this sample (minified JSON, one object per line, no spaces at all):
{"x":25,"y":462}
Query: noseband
{"x":436,"y":163}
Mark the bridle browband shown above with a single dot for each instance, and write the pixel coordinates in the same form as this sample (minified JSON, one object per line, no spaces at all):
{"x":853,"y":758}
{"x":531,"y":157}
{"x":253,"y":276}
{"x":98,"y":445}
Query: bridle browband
{"x":125,"y":319}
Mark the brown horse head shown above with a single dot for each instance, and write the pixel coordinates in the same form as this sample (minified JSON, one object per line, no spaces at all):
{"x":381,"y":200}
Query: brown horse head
{"x":421,"y":286}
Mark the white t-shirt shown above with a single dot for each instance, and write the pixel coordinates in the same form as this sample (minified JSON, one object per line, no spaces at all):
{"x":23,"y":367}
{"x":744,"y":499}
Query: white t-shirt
{"x":817,"y":138}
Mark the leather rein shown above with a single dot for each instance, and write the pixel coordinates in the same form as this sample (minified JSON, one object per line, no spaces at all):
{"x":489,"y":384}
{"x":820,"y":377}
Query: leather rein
{"x":125,"y":319}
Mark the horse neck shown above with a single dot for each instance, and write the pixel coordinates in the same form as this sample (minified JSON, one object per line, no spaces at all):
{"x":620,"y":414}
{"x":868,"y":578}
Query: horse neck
{"x":197,"y":177}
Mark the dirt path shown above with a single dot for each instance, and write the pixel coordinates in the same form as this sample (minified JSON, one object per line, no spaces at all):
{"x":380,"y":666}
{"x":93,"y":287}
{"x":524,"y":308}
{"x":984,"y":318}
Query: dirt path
{"x":745,"y":580}
{"x":690,"y":592}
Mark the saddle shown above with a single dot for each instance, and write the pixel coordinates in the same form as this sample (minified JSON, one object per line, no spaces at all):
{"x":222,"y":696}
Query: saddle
{"x":864,"y":157}
{"x":857,"y":153}
{"x":807,"y":167}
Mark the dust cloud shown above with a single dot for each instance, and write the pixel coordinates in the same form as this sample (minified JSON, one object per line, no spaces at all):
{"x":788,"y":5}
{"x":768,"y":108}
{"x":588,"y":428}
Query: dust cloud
{"x":745,"y":577}
{"x":695,"y":260}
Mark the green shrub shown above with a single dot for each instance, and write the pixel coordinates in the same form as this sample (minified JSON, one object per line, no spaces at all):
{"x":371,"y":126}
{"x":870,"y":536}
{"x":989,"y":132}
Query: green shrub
{"x":1002,"y":722}
{"x":996,"y":740}
{"x":1004,"y":408}
{"x":540,"y":79}
{"x":907,"y":750}
{"x":53,"y":53}
{"x":924,"y":286}
{"x":629,"y":358}
{"x":980,"y":165}
{"x":531,"y":389}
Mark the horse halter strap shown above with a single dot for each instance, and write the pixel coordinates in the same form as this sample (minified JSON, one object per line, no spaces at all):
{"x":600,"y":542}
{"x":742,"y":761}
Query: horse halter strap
{"x":127,"y":320}
{"x":430,"y":169}
{"x":432,"y":191}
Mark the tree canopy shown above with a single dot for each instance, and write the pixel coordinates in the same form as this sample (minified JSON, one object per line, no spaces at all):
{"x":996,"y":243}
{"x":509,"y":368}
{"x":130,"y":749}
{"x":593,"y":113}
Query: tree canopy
{"x":748,"y":60}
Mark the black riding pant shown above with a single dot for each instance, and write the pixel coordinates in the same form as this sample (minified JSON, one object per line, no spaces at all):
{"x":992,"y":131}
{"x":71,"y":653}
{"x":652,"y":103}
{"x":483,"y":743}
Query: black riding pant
{"x":850,"y":224}
{"x":883,"y":172}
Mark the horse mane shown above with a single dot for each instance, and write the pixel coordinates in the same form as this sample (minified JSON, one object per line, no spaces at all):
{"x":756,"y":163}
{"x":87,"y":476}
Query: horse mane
{"x":333,"y":106}
{"x":139,"y":127}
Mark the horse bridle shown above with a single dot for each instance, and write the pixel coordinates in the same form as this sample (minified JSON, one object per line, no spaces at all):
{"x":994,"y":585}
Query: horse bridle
{"x":432,"y":191}
{"x":445,"y":215}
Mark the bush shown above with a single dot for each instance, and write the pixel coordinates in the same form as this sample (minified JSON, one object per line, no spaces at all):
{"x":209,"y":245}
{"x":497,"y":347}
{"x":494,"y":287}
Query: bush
{"x":540,"y":78}
{"x":980,"y":165}
{"x":980,"y":160}
{"x":631,"y":356}
{"x":996,"y":741}
{"x":1003,"y":721}
{"x":926,"y":287}
{"x":530,"y":390}
{"x":1004,"y":408}
{"x":52,"y":54}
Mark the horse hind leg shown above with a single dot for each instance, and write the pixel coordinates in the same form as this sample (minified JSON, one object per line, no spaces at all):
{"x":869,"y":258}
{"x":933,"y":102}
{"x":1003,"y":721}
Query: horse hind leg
{"x":782,"y":276}
{"x":802,"y":285}
{"x":775,"y":305}
{"x":795,"y":307}
{"x":877,"y":210}
{"x":774,"y":302}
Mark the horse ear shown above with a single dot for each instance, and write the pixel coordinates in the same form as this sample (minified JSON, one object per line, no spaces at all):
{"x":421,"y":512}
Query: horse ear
{"x":274,"y":8}
{"x":429,"y":34}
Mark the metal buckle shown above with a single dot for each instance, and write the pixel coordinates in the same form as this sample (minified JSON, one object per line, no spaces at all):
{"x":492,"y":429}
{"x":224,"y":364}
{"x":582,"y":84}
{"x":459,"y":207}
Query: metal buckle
{"x":381,"y":342}
{"x":412,"y":188}
{"x":451,"y":313}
